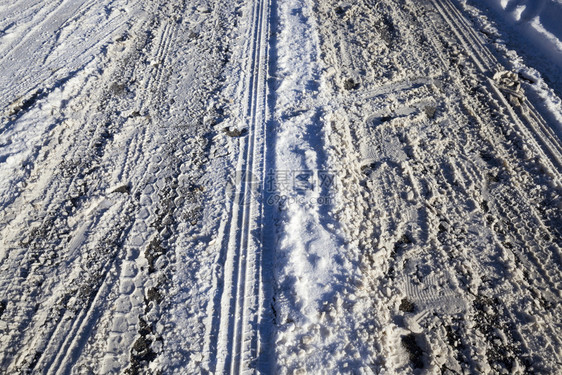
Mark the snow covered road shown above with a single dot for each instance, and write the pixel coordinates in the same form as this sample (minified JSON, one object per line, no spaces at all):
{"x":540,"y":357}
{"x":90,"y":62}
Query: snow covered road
{"x":276,"y":186}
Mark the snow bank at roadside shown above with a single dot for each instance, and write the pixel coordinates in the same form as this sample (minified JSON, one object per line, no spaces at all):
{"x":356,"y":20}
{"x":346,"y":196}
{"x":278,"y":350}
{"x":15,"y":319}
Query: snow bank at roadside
{"x":529,"y":34}
{"x":538,"y":21}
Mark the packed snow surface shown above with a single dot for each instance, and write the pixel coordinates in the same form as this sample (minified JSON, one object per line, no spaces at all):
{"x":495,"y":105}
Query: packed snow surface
{"x":280,"y":186}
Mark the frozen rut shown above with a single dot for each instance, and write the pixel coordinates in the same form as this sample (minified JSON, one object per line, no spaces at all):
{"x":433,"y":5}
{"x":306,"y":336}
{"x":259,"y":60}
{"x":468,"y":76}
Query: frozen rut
{"x":237,"y":307}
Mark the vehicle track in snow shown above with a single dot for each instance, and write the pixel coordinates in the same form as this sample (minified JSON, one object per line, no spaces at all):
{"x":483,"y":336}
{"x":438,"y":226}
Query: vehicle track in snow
{"x":56,"y":346}
{"x":458,"y":183}
{"x":44,"y":42}
{"x":91,"y":222}
{"x":238,"y":303}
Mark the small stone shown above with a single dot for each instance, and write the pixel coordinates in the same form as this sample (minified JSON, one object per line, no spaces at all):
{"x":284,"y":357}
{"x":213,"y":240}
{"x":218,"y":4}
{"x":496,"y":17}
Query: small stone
{"x":125,"y":189}
{"x":429,"y":111}
{"x":235,"y":132}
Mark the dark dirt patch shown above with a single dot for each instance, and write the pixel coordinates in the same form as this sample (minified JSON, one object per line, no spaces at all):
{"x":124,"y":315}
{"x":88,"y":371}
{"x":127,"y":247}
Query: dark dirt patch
{"x":453,"y":337}
{"x":341,"y":10}
{"x":407,"y":306}
{"x":386,"y":29}
{"x":350,"y":84}
{"x":141,"y":352}
{"x":367,"y":169}
{"x":488,"y":317}
{"x":415,"y":353}
{"x":125,"y":189}
{"x":153,"y":295}
{"x":26,"y":104}
{"x":153,"y":251}
{"x":403,"y":243}
{"x":118,"y":88}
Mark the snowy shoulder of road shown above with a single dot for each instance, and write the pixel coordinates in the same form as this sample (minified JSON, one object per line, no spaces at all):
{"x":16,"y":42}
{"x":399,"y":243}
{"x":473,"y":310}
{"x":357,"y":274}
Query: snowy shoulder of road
{"x":529,"y":36}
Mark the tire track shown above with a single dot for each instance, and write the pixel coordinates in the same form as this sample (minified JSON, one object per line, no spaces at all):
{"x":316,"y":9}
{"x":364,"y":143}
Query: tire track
{"x":134,"y":281}
{"x":44,"y":33}
{"x":451,"y":203}
{"x":528,"y":249}
{"x":71,"y":334}
{"x":239,"y":314}
{"x":46,"y":13}
{"x":534,"y":127}
{"x":466,"y":36}
{"x":63,"y":336}
{"x":120,"y":143}
{"x":47,"y":67}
